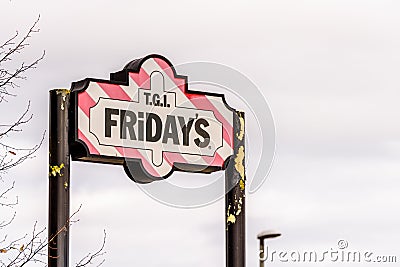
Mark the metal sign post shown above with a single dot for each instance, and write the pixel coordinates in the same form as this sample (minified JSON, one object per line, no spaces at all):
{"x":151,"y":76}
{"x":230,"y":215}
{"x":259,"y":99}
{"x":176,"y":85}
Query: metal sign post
{"x":148,"y":120}
{"x":59,"y":159}
{"x":235,"y":198}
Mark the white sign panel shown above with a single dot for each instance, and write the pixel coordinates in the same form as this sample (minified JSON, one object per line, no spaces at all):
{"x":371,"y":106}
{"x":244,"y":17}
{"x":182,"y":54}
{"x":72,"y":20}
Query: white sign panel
{"x":147,"y":119}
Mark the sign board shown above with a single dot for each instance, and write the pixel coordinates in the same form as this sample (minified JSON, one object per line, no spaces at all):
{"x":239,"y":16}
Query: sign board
{"x":146,"y":118}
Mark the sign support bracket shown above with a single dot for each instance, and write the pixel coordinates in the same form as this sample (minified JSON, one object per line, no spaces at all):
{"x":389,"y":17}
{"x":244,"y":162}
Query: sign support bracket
{"x":59,"y":180}
{"x":235,"y":221}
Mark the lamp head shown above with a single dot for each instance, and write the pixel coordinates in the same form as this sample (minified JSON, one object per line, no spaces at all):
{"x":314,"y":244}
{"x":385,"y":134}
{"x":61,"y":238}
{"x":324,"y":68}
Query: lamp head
{"x":268,"y":234}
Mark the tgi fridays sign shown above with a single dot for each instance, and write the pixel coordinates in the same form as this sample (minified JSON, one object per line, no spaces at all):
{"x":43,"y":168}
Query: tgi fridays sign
{"x":146,"y":118}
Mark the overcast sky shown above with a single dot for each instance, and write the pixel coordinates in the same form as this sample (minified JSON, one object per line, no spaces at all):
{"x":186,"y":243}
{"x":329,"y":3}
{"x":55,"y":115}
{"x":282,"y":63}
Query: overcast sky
{"x":329,"y":70}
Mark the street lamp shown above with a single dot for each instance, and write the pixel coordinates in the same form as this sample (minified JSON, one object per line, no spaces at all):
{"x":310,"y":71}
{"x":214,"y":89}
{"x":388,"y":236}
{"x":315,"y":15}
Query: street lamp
{"x":265,"y":235}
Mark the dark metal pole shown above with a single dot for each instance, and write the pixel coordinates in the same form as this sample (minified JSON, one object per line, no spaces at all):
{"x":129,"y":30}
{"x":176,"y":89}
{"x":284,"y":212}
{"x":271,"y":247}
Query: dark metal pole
{"x":235,"y":198}
{"x":59,"y":161}
{"x":261,"y":254}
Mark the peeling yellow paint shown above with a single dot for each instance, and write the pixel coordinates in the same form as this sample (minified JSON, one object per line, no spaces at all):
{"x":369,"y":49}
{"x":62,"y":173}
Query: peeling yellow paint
{"x":63,"y":91}
{"x":241,"y":184}
{"x":65,"y":185}
{"x":239,"y":161}
{"x":239,"y":210}
{"x":231,"y":219}
{"x":240,"y":135}
{"x":54,"y":170}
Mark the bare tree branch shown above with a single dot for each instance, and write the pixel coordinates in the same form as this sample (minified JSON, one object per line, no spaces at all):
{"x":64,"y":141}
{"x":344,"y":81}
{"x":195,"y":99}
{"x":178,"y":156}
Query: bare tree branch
{"x":10,"y":48}
{"x":90,"y":257}
{"x":3,"y":197}
{"x":23,"y":119}
{"x":32,"y":248}
{"x":5,"y":223}
{"x":12,"y":156}
{"x":7,"y":163}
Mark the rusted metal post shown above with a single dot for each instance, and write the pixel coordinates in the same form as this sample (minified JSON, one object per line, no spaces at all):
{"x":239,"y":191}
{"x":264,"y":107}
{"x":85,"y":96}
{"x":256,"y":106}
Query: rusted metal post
{"x":235,"y":198}
{"x":59,"y":176}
